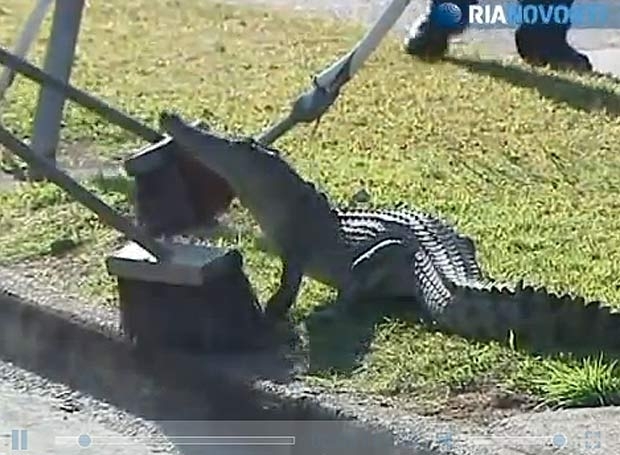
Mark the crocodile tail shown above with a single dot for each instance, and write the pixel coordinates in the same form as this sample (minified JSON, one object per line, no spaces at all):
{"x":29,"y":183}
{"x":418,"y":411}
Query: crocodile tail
{"x":534,"y":317}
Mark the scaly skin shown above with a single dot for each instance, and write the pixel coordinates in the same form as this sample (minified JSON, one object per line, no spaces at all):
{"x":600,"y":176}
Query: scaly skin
{"x":384,"y":254}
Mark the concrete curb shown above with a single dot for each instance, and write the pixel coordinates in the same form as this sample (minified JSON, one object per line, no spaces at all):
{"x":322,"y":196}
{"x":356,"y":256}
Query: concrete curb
{"x":77,"y":344}
{"x":71,"y":342}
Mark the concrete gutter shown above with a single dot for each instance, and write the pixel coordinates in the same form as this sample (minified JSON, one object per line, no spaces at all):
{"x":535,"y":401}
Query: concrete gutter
{"x":77,"y":345}
{"x":147,"y":399}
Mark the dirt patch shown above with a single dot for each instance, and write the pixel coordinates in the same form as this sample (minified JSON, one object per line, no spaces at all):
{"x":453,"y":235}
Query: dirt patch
{"x":79,"y":160}
{"x":485,"y":405}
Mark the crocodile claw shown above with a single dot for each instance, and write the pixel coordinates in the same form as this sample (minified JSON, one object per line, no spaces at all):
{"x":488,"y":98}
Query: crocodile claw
{"x":276,"y":309}
{"x":169,"y":120}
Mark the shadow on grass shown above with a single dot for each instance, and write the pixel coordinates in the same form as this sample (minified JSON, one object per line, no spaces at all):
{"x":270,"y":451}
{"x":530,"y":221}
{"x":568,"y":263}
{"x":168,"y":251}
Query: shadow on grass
{"x":340,"y":339}
{"x":113,"y":184}
{"x":557,"y":88}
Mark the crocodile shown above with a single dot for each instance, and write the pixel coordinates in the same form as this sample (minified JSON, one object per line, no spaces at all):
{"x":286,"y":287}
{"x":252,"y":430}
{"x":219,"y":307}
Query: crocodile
{"x":374,"y":255}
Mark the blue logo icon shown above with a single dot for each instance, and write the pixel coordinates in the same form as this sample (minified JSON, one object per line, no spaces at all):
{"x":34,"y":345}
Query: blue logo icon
{"x":447,"y":15}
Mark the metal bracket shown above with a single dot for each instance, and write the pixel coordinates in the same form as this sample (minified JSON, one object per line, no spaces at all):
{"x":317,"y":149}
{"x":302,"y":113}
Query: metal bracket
{"x":311,"y":105}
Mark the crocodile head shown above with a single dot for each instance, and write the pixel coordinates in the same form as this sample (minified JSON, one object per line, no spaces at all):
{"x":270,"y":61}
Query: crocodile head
{"x":262,"y":180}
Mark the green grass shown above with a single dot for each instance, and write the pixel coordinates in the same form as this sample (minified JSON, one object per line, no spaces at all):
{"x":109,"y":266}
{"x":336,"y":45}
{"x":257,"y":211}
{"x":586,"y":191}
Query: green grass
{"x":592,"y":382}
{"x":522,"y":160}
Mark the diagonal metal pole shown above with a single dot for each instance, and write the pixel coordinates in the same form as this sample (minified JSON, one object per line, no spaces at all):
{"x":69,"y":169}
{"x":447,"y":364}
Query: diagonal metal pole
{"x":106,"y":214}
{"x":311,"y":105}
{"x":81,"y":97}
{"x":25,"y":40}
{"x":58,"y":63}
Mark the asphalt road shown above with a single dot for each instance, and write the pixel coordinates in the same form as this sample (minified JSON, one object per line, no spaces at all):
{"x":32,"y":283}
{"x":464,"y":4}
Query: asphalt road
{"x":41,"y":416}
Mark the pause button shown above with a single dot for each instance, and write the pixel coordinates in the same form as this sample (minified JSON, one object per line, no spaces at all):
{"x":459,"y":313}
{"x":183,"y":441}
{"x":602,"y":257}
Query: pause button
{"x":19,"y":439}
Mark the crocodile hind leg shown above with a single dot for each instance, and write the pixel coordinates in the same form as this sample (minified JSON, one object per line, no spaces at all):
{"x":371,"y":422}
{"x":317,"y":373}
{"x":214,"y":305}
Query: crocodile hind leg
{"x":380,"y":273}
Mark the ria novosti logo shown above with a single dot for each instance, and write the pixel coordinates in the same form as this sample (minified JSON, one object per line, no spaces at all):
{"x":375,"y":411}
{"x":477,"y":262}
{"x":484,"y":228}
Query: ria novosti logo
{"x":511,"y":14}
{"x":447,"y":15}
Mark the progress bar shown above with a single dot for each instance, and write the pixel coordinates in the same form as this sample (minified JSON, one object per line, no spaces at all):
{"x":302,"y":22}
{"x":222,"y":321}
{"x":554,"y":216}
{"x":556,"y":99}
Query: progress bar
{"x":86,"y":440}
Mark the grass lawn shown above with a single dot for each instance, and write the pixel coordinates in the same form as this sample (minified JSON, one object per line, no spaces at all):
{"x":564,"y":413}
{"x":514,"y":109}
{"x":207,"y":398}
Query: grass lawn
{"x":523,"y":161}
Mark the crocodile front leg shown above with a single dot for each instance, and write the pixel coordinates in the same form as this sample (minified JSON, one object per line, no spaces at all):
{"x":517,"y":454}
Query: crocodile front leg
{"x":283,"y":299}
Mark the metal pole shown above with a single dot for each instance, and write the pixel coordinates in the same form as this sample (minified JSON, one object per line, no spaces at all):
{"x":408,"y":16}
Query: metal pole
{"x":312,"y":104}
{"x":24,"y":41}
{"x":81,"y":97}
{"x":58,"y":63}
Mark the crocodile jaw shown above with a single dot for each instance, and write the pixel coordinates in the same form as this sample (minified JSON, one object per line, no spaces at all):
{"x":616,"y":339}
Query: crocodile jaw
{"x":297,"y":220}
